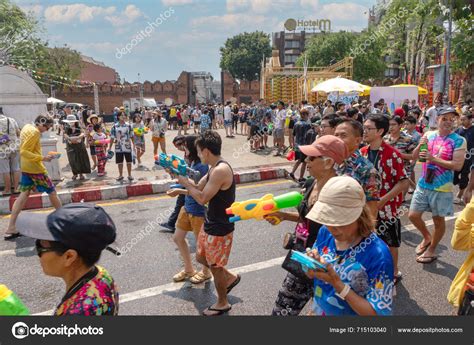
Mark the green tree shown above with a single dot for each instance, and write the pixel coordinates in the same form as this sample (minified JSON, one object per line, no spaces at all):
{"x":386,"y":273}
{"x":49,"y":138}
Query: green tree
{"x":463,"y":44}
{"x":368,"y":54}
{"x":21,"y":45}
{"x":328,"y":48}
{"x":241,"y":55}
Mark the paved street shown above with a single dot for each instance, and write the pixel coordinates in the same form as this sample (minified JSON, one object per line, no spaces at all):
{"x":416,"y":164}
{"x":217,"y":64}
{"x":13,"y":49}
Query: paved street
{"x":144,"y":274}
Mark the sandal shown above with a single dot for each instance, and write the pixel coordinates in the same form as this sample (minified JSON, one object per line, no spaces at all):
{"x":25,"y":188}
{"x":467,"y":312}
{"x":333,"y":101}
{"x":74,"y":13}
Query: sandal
{"x":183,"y":275}
{"x":9,"y":237}
{"x":217,"y":312}
{"x":426,"y":259}
{"x":234,"y":284}
{"x":200,"y":277}
{"x":74,"y":177}
{"x":421,"y":249}
{"x":119,"y":178}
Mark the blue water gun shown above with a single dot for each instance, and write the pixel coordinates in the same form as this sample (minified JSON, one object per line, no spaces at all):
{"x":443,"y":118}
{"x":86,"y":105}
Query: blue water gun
{"x":177,"y":166}
{"x":307,"y":262}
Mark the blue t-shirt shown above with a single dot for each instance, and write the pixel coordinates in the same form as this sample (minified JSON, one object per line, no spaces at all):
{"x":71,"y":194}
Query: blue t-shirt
{"x":367,"y":269}
{"x":190,"y":205}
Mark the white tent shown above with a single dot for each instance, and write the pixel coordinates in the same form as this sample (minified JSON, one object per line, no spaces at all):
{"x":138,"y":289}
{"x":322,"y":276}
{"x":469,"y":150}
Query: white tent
{"x":52,"y":100}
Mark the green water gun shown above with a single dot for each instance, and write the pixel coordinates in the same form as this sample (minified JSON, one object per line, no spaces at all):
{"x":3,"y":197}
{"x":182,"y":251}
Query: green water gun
{"x":10,"y":304}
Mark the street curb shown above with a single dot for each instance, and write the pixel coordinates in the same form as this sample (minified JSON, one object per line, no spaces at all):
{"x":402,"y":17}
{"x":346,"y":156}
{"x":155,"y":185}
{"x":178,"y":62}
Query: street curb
{"x":124,"y":191}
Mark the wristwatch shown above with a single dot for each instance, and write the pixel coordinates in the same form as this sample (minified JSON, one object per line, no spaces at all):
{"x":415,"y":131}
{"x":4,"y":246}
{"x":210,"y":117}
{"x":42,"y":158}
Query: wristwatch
{"x":342,"y":295}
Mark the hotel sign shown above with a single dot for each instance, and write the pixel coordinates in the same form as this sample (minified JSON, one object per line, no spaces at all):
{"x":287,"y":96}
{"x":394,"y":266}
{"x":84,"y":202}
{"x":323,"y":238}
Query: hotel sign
{"x":301,"y":24}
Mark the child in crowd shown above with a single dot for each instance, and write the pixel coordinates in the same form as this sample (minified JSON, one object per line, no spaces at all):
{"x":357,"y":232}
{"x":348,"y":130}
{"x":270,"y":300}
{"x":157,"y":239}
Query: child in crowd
{"x":100,"y":150}
{"x":205,"y":121}
{"x":139,"y":138}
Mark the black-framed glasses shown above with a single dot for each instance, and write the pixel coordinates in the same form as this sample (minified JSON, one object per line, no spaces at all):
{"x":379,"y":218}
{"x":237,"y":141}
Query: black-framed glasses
{"x":55,"y":247}
{"x":368,"y":129}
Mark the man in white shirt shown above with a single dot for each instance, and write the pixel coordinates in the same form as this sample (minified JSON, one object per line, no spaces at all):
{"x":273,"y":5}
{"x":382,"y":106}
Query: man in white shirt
{"x":432,"y":114}
{"x":228,"y":120}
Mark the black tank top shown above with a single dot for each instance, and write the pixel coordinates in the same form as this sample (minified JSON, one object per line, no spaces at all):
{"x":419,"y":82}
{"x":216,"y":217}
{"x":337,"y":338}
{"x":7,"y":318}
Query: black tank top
{"x":216,"y":221}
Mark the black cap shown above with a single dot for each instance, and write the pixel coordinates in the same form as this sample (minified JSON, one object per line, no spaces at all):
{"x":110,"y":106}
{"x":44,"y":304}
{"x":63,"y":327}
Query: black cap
{"x":84,"y":227}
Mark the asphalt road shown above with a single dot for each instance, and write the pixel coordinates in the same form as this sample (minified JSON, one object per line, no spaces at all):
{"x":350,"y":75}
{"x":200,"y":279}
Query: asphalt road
{"x":144,"y":274}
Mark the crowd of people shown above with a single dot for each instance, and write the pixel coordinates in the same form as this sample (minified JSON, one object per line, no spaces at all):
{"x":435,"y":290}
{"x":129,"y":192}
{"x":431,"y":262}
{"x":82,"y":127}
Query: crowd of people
{"x":361,"y":163}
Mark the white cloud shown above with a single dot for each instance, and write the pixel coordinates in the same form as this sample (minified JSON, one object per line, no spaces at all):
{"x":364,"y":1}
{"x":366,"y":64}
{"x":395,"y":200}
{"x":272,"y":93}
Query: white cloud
{"x":35,"y":9}
{"x":231,"y":21}
{"x":343,"y":11}
{"x":176,"y":2}
{"x":259,"y":6}
{"x":314,"y":4}
{"x":128,"y":15}
{"x":70,"y":13}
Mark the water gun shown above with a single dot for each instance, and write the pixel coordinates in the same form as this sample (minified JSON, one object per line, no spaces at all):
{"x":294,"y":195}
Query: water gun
{"x":140,"y":131}
{"x":10,"y":304}
{"x":102,"y":142}
{"x":260,"y":208}
{"x":177,"y":165}
{"x":307,"y":262}
{"x":110,"y":155}
{"x":54,"y":154}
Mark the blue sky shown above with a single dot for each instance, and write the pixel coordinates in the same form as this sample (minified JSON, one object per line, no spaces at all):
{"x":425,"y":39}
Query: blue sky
{"x":186,"y":34}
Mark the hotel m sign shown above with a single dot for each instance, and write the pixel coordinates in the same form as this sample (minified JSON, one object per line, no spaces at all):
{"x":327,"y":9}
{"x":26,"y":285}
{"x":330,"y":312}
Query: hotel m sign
{"x":300,"y":24}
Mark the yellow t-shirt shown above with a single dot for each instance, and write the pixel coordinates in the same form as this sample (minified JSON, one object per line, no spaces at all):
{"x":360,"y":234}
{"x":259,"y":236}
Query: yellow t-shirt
{"x":31,"y":157}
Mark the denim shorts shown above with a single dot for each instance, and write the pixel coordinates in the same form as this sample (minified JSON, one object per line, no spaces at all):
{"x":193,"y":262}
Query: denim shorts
{"x":440,"y":204}
{"x":227,"y":123}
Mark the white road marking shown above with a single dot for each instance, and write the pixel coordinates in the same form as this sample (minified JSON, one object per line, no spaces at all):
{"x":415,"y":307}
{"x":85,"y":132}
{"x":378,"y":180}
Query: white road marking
{"x":158,"y":290}
{"x":28,"y":249}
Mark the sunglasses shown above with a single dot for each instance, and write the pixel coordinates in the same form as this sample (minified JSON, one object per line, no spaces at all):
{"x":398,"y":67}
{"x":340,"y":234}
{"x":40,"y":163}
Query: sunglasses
{"x":55,"y":247}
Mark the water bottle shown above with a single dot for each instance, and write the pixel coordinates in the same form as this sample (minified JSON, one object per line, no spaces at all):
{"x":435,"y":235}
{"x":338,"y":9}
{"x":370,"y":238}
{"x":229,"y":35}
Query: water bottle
{"x":423,"y":148}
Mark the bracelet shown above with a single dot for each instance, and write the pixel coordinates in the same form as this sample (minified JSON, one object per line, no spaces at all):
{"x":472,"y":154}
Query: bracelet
{"x":343,"y":294}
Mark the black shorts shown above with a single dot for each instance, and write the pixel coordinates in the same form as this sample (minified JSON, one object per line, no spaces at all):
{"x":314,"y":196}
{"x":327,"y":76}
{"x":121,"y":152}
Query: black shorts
{"x":292,"y":124}
{"x":300,"y":156}
{"x":254,"y":129}
{"x":119,"y":156}
{"x":390,"y":231}
{"x":180,"y":122}
{"x":197,"y":123}
{"x":92,"y":150}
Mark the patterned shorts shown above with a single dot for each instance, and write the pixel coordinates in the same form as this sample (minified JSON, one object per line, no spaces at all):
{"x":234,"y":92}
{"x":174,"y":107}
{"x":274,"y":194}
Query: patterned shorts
{"x":39,"y":182}
{"x":216,"y":249}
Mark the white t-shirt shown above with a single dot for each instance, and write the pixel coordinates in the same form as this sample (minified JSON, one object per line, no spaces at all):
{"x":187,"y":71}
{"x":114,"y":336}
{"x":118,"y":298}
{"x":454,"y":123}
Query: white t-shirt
{"x":432,"y":113}
{"x":13,"y":144}
{"x":158,"y":128}
{"x":197,"y":115}
{"x":227,"y":113}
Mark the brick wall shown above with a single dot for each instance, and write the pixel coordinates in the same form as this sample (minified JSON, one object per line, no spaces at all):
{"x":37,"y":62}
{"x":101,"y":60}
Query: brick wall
{"x":110,"y":97}
{"x":97,"y":73}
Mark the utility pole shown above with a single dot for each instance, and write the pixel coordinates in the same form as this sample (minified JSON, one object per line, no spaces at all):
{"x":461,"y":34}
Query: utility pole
{"x":448,"y":52}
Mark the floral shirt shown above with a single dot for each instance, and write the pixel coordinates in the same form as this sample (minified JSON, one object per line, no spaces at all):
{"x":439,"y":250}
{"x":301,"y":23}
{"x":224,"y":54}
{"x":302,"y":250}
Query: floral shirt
{"x":97,"y":296}
{"x":363,"y":171}
{"x":368,"y":271}
{"x":404,"y":144}
{"x":389,"y":164}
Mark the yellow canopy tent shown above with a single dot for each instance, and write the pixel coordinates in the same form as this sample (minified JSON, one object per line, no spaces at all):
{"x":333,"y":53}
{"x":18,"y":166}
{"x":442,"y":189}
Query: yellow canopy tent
{"x":421,"y":91}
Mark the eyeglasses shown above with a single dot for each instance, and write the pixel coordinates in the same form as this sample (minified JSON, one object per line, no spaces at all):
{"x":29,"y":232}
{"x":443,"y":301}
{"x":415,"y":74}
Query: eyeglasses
{"x":54,"y":248}
{"x":367,"y":129}
{"x":326,"y":126}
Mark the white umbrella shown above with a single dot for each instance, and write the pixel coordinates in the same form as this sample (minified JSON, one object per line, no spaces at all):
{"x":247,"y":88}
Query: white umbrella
{"x":52,"y":100}
{"x":338,"y":84}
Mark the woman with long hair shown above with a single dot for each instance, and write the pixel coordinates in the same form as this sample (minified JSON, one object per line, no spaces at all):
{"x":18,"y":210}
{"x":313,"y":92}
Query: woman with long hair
{"x":190,"y":218}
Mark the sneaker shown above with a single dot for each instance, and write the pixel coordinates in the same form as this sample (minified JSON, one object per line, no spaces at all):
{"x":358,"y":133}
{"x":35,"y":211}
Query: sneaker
{"x":168,"y":227}
{"x":130,"y":178}
{"x":120,"y":178}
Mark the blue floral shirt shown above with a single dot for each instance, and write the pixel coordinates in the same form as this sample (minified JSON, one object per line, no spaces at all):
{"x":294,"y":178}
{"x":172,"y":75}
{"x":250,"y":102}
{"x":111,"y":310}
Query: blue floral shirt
{"x":364,"y":172}
{"x":367,"y":268}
